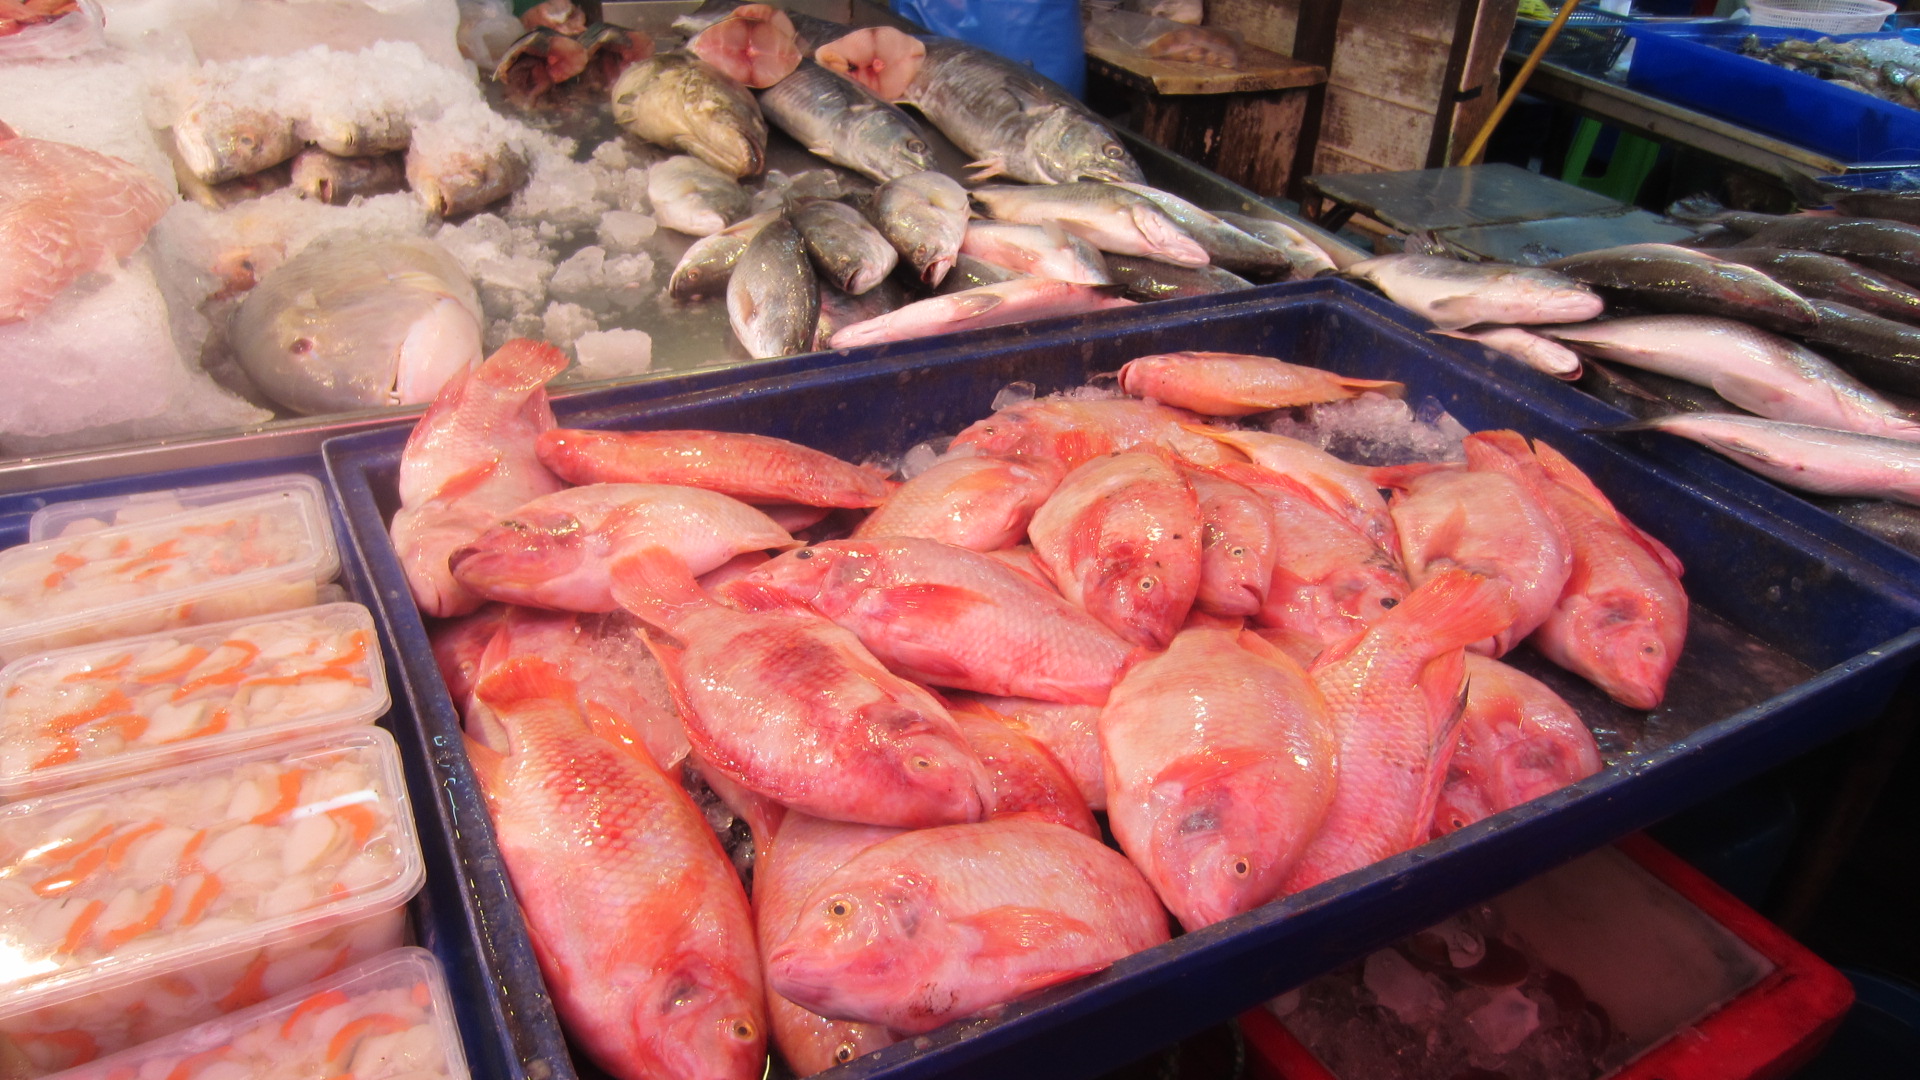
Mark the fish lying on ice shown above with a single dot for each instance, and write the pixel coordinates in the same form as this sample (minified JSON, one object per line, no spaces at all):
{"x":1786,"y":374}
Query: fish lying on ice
{"x":753,"y":468}
{"x":1236,"y":384}
{"x":1539,"y":353}
{"x":1818,"y":276}
{"x":1046,"y":251}
{"x":1151,"y":279}
{"x":844,"y":122}
{"x":708,"y":264}
{"x":356,"y":324}
{"x":851,"y":253}
{"x":1518,"y":741}
{"x":978,"y":503}
{"x":693,"y":197}
{"x":337,"y":181}
{"x":678,"y":100}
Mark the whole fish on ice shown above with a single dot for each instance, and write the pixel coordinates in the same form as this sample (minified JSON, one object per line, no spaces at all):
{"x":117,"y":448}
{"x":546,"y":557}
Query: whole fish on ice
{"x":1063,"y":433}
{"x":1070,"y":734}
{"x":357,"y":324}
{"x":1236,"y":384}
{"x":608,"y":857}
{"x":753,"y":468}
{"x":1027,"y":778}
{"x":773,"y":297}
{"x":1518,"y":741}
{"x":1046,"y":251}
{"x":693,"y":197}
{"x":1238,"y":545}
{"x":1539,"y":353}
{"x":851,"y":253}
{"x":708,"y":264}
{"x":1676,"y":279}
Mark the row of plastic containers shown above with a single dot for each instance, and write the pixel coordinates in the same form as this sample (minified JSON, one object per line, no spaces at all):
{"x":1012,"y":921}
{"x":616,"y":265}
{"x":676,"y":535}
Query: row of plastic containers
{"x":1804,"y":627}
{"x":206,"y":848}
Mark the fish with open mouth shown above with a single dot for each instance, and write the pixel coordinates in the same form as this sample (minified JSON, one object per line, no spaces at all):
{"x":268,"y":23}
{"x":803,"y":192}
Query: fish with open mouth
{"x":924,"y":214}
{"x":337,"y":181}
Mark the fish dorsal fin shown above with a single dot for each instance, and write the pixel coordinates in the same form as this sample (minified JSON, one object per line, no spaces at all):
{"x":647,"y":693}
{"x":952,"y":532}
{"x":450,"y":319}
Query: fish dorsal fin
{"x":1569,"y":475}
{"x":525,"y":678}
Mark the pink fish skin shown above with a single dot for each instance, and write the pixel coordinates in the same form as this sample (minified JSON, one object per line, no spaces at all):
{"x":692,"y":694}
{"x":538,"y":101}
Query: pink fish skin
{"x":1022,"y":559}
{"x":1329,"y":580}
{"x":791,"y":706}
{"x":65,"y":210}
{"x":751,"y":468}
{"x":1070,"y":733}
{"x":1121,"y":538}
{"x":998,"y":304}
{"x":1065,"y":433}
{"x":939,"y":924}
{"x":1026,"y":778}
{"x":803,"y":852}
{"x":1236,"y":384}
{"x":557,"y":550}
{"x":607,"y":858}
{"x":459,"y":644}
{"x":469,"y":461}
{"x":979,"y":503}
{"x":1621,"y":621}
{"x":1220,"y":769}
{"x":1518,"y":741}
{"x":1237,"y":545}
{"x":618,"y":682}
{"x":946,"y":616}
{"x":1394,"y":693}
{"x":1488,"y":523}
{"x":1344,"y":488}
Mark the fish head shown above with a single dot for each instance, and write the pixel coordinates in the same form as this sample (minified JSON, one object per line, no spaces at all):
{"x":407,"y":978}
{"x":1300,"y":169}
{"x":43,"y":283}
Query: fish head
{"x":864,"y":937}
{"x":696,"y":1019}
{"x":1067,"y":147}
{"x":524,"y":555}
{"x":1221,"y":841}
{"x":1133,"y":594}
{"x":1626,"y":645}
{"x":930,"y":775}
{"x":1366,"y":591}
{"x":827,"y":577}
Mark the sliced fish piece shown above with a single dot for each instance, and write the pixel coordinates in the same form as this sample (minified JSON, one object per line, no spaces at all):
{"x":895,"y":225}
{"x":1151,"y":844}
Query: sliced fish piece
{"x":753,"y":43}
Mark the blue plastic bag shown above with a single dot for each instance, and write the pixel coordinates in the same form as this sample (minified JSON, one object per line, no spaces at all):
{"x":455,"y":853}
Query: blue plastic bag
{"x":1044,"y":34}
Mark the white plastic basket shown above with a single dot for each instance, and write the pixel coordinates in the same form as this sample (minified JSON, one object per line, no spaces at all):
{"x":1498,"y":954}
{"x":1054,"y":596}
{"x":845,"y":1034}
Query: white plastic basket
{"x":1826,"y":16}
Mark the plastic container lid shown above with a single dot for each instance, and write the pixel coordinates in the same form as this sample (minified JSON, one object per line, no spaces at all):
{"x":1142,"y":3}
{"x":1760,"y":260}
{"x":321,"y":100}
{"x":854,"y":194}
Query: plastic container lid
{"x":113,"y":883}
{"x":265,"y":552}
{"x":97,"y":712}
{"x":383,"y":1018}
{"x":87,"y":515}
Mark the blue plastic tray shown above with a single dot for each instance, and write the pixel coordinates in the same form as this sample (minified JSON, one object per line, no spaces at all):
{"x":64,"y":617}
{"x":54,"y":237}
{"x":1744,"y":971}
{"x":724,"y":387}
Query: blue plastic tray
{"x":1702,"y":69}
{"x":1758,"y":558}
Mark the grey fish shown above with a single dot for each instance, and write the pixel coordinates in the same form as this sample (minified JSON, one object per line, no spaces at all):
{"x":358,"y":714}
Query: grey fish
{"x":839,"y":310}
{"x":1896,"y":523}
{"x":849,"y":251}
{"x":1891,"y":247}
{"x":1829,"y":277}
{"x":220,"y":140}
{"x":703,"y":271}
{"x":1646,"y":394}
{"x":1013,"y":121}
{"x":1108,"y":216}
{"x":1663,"y":277}
{"x":337,"y":181}
{"x":1455,"y":294}
{"x":693,"y":197}
{"x":924,"y":216}
{"x":356,"y":324}
{"x":1151,"y":279}
{"x":1883,"y":353}
{"x":971,"y":273}
{"x":1227,"y":245}
{"x":773,"y":298}
{"x":1816,"y":459}
{"x":844,"y":122}
{"x":1307,"y":257}
{"x":1885,"y":205}
{"x":1705,"y":210}
{"x":454,"y":178}
{"x":680,"y":101}
{"x":1757,"y":371}
{"x":1039,"y":250}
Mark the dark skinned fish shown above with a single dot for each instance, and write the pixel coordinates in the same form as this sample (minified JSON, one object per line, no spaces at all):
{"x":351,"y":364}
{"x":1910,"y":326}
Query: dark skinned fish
{"x":1829,"y":277}
{"x":1890,"y":247}
{"x":1151,"y":279}
{"x":1883,"y":353}
{"x":844,"y":122}
{"x":1896,"y":523}
{"x":1663,"y":277}
{"x":773,"y":298}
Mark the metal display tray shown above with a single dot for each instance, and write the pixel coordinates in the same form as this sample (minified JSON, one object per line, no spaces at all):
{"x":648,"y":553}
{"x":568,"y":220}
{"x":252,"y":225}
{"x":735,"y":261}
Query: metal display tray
{"x":1796,"y":639}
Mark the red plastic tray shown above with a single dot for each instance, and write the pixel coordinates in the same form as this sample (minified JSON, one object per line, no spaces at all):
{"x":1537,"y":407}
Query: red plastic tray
{"x":1767,"y":1033}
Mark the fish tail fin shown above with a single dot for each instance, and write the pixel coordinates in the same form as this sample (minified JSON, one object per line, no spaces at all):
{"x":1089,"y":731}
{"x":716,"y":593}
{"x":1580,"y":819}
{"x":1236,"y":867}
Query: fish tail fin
{"x":524,"y":678}
{"x":655,"y":585}
{"x":1386,"y":387}
{"x":1398,"y":477}
{"x":1504,"y":451}
{"x":1223,"y":436}
{"x":1453,"y":609}
{"x":521,"y":365}
{"x":1569,"y":475}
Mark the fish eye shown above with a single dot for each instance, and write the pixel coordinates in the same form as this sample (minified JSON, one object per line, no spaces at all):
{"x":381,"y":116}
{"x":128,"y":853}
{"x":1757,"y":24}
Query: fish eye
{"x":843,"y":1053}
{"x":839,"y":909}
{"x":1389,"y":602}
{"x":803,"y":553}
{"x":302,"y":345}
{"x":1241,"y":867}
{"x":923,"y":763}
{"x":915,"y":146}
{"x":1236,"y":551}
{"x":1146,"y":584}
{"x":742,"y":1030}
{"x":1650,"y":649}
{"x":1115,"y":152}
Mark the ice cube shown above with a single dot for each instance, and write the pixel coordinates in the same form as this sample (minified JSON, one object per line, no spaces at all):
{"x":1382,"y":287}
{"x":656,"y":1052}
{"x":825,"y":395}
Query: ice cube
{"x":581,"y":278}
{"x":624,"y":231}
{"x":563,"y":323}
{"x":918,"y":460}
{"x":1402,"y":988}
{"x":629,"y":280}
{"x":614,"y":354}
{"x":1012,"y":394}
{"x":1504,"y":1022}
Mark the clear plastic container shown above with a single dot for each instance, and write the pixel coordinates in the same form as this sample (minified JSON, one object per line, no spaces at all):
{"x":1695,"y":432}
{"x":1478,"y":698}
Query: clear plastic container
{"x":383,"y":1019}
{"x":87,"y":515}
{"x":135,"y":908}
{"x":97,"y":712}
{"x":98,"y":578}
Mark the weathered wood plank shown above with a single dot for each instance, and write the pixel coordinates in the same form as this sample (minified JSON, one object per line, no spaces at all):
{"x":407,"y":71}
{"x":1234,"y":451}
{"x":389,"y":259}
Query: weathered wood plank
{"x":1389,"y":135}
{"x":1269,"y":24}
{"x":1258,"y":69}
{"x":1405,"y":70}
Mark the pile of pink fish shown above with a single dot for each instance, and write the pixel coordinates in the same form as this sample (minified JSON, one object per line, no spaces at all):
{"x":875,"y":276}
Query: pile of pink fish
{"x":1264,"y":672}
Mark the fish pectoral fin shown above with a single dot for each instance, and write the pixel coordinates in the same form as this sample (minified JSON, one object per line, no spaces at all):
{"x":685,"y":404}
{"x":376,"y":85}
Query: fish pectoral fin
{"x":930,"y":600}
{"x":1012,"y":930}
{"x":1737,"y":446}
{"x":1452,"y":312}
{"x":989,"y":167}
{"x":617,"y":730}
{"x":822,"y":151}
{"x":972,"y":307}
{"x":1055,"y":234}
{"x":489,"y":765}
{"x":1029,"y":96}
{"x":462,"y":484}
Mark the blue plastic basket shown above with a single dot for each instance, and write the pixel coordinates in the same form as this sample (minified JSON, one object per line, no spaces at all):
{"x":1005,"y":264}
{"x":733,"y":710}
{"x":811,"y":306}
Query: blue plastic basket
{"x":1702,"y":69}
{"x":1761,"y":559}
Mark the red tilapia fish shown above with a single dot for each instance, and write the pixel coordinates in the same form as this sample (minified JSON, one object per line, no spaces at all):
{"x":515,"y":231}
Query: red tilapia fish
{"x":1485,"y":522}
{"x":1237,"y":545}
{"x":1026,"y":778}
{"x":804,"y":851}
{"x":1518,"y":741}
{"x":751,"y":468}
{"x":1070,"y":734}
{"x":949,"y":617}
{"x":460,"y":644}
{"x":979,"y":503}
{"x":609,"y":858}
{"x":791,"y":706}
{"x":1235,"y":384}
{"x":1394,"y":693}
{"x":1121,"y":538}
{"x":558,"y":550}
{"x":65,"y":210}
{"x":1065,"y":433}
{"x":938,"y":924}
{"x":1346,"y":489}
{"x":1621,"y":621}
{"x":469,"y":461}
{"x":1220,"y":768}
